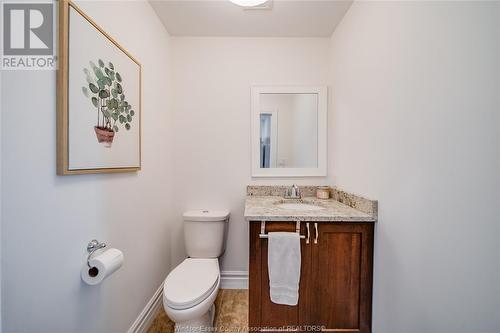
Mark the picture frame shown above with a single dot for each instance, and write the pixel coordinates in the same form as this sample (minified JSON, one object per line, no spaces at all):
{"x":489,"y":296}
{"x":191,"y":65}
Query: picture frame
{"x":99,"y":99}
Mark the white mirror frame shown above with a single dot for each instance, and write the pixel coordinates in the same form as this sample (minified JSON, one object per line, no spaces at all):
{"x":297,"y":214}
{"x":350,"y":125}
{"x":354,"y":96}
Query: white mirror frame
{"x":321,"y":170}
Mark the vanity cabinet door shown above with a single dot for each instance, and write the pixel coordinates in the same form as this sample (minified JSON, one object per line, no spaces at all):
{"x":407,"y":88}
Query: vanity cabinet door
{"x":263,"y":313}
{"x":342,"y":260}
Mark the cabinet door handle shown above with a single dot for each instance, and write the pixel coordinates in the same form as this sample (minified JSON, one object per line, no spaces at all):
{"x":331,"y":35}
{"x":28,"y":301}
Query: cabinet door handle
{"x":308,"y":233}
{"x":317,"y":234}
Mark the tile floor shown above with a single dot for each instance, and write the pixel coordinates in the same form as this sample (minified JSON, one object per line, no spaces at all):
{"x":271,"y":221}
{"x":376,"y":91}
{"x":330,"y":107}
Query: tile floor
{"x":231,"y":313}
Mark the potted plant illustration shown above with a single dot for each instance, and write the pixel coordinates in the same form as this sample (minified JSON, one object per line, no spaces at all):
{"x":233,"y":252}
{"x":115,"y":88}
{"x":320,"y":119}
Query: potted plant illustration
{"x":105,"y":91}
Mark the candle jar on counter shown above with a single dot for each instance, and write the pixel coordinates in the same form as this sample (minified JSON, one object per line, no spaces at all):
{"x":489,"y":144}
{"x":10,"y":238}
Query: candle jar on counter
{"x":323,"y":192}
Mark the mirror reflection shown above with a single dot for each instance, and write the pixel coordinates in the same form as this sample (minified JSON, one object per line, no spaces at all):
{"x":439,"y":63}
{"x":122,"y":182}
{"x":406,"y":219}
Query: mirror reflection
{"x":288,"y":130}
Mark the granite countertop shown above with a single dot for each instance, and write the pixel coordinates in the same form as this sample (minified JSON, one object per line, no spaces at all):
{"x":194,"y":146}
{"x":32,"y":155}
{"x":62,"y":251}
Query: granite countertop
{"x":261,"y":205}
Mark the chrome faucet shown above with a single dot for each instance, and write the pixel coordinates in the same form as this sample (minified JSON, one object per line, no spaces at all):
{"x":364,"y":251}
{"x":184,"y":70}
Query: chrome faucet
{"x":292,"y":192}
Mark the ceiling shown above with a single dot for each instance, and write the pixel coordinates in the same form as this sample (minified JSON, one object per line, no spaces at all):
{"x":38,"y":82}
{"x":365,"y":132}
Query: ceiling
{"x":287,"y":18}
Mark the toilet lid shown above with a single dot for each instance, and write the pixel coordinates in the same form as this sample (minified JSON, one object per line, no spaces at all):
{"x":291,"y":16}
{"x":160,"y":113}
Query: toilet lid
{"x":191,"y":282}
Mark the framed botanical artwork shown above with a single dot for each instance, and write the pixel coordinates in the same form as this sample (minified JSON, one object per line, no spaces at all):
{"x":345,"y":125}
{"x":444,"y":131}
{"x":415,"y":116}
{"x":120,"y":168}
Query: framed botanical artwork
{"x":99,"y":99}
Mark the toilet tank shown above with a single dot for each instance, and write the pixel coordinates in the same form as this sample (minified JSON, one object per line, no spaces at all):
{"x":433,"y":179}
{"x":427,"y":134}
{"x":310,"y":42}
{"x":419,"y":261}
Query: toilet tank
{"x":204,"y":232}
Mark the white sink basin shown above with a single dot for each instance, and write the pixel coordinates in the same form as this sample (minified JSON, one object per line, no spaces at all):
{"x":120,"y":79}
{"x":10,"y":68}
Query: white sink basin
{"x":299,"y":206}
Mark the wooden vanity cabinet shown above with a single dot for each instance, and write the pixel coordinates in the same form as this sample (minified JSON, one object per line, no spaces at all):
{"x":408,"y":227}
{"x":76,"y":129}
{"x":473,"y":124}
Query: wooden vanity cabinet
{"x":335,"y":289}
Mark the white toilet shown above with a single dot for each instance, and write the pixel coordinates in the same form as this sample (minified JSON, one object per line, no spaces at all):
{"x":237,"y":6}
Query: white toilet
{"x":189,"y":291}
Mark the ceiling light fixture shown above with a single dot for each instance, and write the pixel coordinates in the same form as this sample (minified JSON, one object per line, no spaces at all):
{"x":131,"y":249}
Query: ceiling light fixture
{"x":250,"y":3}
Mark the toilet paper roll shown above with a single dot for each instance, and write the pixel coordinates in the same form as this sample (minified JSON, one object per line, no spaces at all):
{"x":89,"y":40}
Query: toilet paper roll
{"x":102,"y":265}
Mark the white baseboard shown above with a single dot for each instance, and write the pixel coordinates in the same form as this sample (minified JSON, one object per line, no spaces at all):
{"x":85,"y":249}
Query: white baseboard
{"x":148,"y":314}
{"x":234,"y":280}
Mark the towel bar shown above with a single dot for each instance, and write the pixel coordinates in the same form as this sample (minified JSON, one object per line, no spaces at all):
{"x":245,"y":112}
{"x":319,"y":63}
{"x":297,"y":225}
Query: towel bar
{"x":297,"y":230}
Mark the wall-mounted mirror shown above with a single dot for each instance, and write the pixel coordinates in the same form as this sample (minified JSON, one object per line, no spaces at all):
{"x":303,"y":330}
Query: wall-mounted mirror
{"x":289,"y":131}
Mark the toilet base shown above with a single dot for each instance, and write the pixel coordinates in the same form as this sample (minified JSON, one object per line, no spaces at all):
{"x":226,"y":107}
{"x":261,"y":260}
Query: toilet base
{"x":204,"y":323}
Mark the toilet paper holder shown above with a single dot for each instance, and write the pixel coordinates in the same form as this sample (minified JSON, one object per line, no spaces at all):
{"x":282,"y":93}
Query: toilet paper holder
{"x":93,"y":246}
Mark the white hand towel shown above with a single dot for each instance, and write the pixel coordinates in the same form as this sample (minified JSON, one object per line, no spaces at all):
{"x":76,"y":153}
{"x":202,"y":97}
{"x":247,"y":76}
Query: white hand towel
{"x":283,"y":263}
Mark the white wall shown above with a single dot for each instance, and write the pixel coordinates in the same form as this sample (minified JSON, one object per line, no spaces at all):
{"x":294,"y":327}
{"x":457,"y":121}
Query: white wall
{"x":416,"y":125}
{"x":1,"y":203}
{"x":47,"y":220}
{"x":212,"y":119}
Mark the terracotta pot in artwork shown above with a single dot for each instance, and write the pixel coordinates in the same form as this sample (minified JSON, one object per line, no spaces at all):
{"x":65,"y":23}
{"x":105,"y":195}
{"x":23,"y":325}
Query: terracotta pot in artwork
{"x":104,"y":136}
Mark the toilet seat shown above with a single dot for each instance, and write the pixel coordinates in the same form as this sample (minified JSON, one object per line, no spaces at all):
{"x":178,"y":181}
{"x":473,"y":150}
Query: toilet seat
{"x":191,"y":283}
